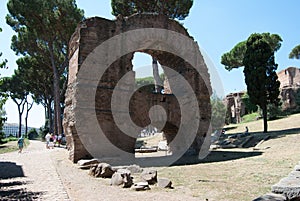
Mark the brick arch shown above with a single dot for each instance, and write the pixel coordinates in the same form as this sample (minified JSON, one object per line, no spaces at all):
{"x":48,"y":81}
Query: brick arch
{"x":94,"y":32}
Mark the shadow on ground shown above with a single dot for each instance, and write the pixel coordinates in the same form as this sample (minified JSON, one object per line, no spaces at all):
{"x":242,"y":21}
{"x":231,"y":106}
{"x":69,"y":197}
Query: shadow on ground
{"x":218,"y":156}
{"x":10,"y":170}
{"x":213,"y":156}
{"x":273,"y":134}
{"x":18,"y":194}
{"x":14,"y":190}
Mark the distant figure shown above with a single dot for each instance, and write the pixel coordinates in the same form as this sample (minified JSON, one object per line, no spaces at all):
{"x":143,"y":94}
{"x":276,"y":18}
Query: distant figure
{"x":47,"y":138}
{"x":247,"y":130}
{"x":59,"y":138}
{"x":51,"y":143}
{"x":21,"y":143}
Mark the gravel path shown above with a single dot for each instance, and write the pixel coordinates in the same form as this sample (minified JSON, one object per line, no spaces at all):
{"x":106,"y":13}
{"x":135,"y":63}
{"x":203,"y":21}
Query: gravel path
{"x":47,"y":174}
{"x":30,"y":175}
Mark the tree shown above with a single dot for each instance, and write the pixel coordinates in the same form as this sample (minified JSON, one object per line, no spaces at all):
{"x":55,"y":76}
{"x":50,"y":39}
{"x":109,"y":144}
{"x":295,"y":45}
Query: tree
{"x":218,"y":113}
{"x":259,"y":70}
{"x":32,"y":134}
{"x":174,"y":9}
{"x":2,"y":115}
{"x":234,"y":58}
{"x":250,"y":107}
{"x":3,"y":63}
{"x":43,"y":30}
{"x":13,"y":88}
{"x":295,"y":53}
{"x":40,"y":84}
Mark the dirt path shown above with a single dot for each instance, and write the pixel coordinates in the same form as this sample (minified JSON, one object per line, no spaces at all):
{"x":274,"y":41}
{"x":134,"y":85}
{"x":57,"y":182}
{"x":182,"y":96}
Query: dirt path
{"x":42,"y":174}
{"x":30,"y":175}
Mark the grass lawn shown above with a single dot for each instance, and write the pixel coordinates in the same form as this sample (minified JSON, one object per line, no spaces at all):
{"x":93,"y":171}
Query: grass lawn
{"x":10,"y":146}
{"x":241,"y":173}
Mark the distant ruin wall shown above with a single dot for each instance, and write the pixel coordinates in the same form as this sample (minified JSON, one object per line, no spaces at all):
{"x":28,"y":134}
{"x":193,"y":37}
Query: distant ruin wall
{"x":290,"y":88}
{"x":289,"y":77}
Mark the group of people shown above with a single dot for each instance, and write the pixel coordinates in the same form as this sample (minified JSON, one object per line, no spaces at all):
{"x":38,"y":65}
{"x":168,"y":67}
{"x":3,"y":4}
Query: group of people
{"x":53,"y":140}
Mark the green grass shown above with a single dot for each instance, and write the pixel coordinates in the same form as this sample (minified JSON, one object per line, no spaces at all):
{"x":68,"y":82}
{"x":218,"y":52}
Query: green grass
{"x":250,"y":117}
{"x":11,"y":145}
{"x":8,"y":139}
{"x":5,"y":148}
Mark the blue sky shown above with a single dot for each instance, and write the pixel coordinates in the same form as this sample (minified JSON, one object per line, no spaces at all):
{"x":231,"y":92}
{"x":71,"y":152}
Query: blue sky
{"x":217,"y":25}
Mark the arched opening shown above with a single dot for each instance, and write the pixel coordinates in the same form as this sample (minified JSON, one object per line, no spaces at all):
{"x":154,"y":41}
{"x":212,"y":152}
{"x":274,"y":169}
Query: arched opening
{"x":149,"y":77}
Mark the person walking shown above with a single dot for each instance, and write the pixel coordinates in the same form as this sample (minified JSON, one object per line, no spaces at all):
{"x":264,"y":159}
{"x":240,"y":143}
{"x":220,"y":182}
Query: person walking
{"x":21,"y":143}
{"x":47,"y":138}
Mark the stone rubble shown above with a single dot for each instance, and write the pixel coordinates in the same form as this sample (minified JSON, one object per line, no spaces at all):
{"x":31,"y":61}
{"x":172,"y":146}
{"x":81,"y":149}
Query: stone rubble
{"x":288,"y":188}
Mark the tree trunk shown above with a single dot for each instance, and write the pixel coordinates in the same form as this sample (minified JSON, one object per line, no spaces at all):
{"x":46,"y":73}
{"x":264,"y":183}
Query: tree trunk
{"x":56,"y":88}
{"x":28,"y":108}
{"x":20,"y":122}
{"x":20,"y":111}
{"x":157,"y":80}
{"x":265,"y":118}
{"x":50,"y":117}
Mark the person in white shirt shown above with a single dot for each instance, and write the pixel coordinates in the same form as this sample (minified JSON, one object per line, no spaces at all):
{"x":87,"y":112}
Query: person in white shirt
{"x":47,"y":138}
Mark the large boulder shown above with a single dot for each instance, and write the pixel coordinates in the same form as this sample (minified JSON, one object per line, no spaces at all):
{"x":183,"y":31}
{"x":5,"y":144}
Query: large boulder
{"x":121,"y":177}
{"x":271,"y":197}
{"x":87,"y":163}
{"x":103,"y":170}
{"x":141,"y":186}
{"x":149,"y":176}
{"x":164,"y":183}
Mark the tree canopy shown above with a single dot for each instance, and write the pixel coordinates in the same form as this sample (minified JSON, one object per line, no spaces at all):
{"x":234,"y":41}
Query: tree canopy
{"x":174,"y":9}
{"x":3,"y":63}
{"x":295,"y":53}
{"x":234,"y":58}
{"x":43,"y":31}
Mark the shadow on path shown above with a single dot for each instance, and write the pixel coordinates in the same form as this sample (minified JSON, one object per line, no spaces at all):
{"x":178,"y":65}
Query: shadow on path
{"x":10,"y":170}
{"x":18,"y":194}
{"x":14,"y":190}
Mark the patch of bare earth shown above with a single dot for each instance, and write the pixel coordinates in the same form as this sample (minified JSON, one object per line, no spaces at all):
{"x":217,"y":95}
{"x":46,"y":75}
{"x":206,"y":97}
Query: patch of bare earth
{"x":226,"y":174}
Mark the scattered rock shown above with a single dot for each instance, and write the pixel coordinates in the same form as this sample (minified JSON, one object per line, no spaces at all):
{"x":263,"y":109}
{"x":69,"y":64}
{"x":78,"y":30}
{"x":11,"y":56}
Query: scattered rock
{"x":244,"y":144}
{"x":87,"y":162}
{"x":134,"y":169}
{"x":149,"y":176}
{"x":228,"y":146}
{"x":93,"y":169}
{"x":162,"y":145}
{"x":271,"y":197}
{"x":164,"y":183}
{"x":103,"y":170}
{"x":141,"y":186}
{"x":295,"y":174}
{"x":233,"y":136}
{"x":288,"y":186}
{"x":297,"y":168}
{"x":121,"y":177}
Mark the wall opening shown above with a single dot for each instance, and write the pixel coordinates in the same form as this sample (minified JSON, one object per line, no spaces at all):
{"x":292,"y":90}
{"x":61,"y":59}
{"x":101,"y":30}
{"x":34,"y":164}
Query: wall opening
{"x":151,"y":141}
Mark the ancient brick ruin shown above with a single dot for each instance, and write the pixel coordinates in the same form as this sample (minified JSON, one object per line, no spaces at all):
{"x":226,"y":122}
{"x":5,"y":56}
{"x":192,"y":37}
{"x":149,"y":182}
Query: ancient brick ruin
{"x":94,"y":31}
{"x":235,"y":107}
{"x":289,"y":92}
{"x":290,"y":87}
